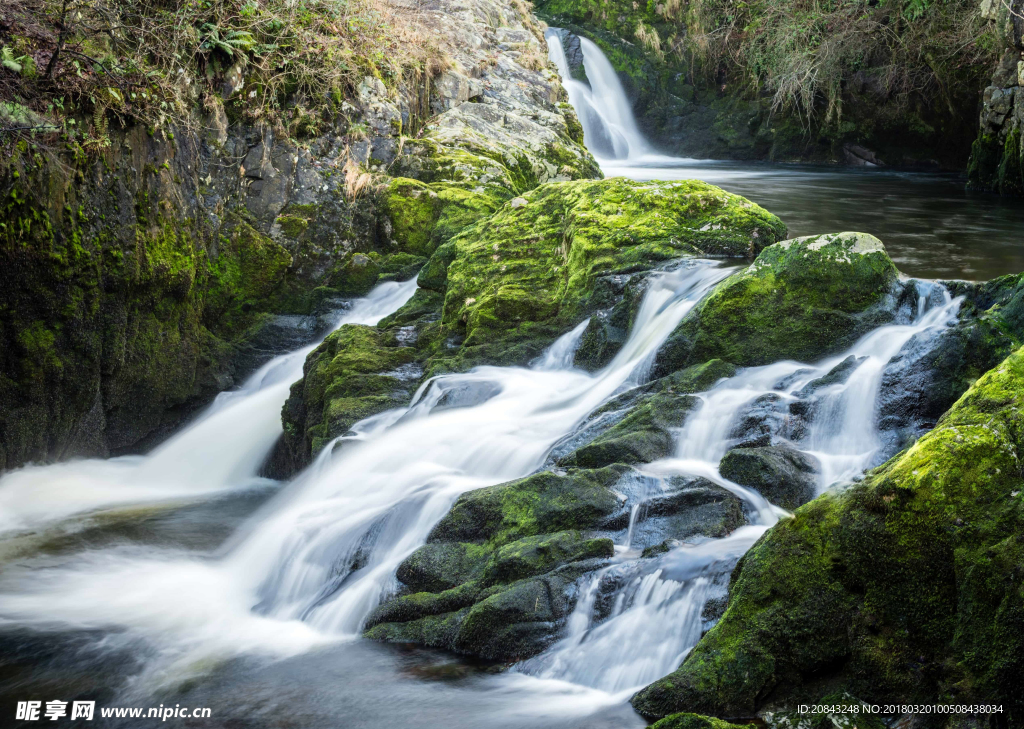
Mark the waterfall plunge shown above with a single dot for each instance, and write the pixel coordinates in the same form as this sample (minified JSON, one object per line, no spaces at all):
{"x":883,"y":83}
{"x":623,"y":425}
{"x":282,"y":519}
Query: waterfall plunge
{"x":609,"y":127}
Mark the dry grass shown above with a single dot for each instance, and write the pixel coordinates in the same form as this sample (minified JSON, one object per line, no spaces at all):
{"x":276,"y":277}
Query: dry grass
{"x":804,"y":51}
{"x":649,"y":39}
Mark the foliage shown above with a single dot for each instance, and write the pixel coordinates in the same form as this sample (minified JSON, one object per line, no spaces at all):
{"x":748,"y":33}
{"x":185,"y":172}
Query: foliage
{"x":156,"y":61}
{"x":807,"y":55}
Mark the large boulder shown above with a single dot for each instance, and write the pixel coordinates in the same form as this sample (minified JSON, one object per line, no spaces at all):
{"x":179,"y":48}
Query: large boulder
{"x":904,"y":588}
{"x":801,"y":299}
{"x":540,"y":264}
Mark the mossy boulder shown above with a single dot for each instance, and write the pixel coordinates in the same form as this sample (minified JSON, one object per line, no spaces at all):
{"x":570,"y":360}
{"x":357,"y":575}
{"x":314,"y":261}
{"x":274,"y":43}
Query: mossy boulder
{"x":801,"y":299}
{"x":531,"y":270}
{"x":644,"y":435}
{"x":356,"y":372}
{"x":492,"y":579}
{"x":782,"y":474}
{"x":505,"y":287}
{"x":421,"y":216}
{"x":905,"y":587}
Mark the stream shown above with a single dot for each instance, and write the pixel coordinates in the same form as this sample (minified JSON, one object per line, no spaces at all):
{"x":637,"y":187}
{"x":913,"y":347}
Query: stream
{"x":184,"y":578}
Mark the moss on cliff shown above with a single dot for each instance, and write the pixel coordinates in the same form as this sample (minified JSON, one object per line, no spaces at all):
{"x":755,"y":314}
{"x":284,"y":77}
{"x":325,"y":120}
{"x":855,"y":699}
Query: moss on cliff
{"x":904,"y":587}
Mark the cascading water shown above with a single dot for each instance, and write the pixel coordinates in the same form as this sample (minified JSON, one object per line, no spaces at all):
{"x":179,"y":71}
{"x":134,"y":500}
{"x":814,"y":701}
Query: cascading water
{"x":311,"y":565}
{"x":658,"y":604}
{"x":323,"y":553}
{"x":609,"y":127}
{"x":222,"y":449}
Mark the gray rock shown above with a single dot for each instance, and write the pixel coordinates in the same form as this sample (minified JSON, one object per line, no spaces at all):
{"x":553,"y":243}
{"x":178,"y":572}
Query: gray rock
{"x":782,"y":474}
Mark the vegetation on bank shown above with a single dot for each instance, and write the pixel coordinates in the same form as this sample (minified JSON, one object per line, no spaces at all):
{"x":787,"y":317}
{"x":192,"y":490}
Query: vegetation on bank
{"x":821,"y":72}
{"x":69,"y":67}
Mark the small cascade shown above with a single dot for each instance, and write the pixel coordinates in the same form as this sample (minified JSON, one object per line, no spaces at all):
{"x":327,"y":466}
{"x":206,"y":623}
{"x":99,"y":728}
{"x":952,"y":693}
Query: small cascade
{"x":635,"y":621}
{"x":609,"y":127}
{"x":221,"y":449}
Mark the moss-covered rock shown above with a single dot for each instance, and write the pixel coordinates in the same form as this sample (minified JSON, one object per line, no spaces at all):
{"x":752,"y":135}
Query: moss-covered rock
{"x":531,"y":270}
{"x":693,"y":721}
{"x":492,"y":578}
{"x":356,"y":372}
{"x":905,"y":587}
{"x":644,"y":435}
{"x":421,"y":217}
{"x":516,"y":280}
{"x":802,"y":299}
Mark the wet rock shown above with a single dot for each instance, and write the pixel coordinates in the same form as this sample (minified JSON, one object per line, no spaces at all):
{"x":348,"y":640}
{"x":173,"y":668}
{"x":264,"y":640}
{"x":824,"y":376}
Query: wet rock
{"x":690,"y":508}
{"x":573,"y":53}
{"x":932,"y":372}
{"x":782,"y":474}
{"x":495,"y":576}
{"x":543,"y":503}
{"x":440,"y":566}
{"x":645,"y":435}
{"x":763,"y":422}
{"x":836,"y":376}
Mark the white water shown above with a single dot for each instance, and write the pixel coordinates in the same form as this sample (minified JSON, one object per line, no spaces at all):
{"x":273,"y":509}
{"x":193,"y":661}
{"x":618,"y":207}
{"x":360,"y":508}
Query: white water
{"x":656,"y":618}
{"x":609,"y":127}
{"x":222,"y":449}
{"x":312,"y":564}
{"x":288,"y":581}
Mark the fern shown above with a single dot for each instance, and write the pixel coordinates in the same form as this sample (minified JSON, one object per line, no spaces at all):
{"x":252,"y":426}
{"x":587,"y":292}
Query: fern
{"x":8,"y":60}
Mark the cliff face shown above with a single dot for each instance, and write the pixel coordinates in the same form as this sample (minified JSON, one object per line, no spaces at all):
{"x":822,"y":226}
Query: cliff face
{"x":841,"y":82}
{"x":146,"y":273}
{"x":997,"y":153}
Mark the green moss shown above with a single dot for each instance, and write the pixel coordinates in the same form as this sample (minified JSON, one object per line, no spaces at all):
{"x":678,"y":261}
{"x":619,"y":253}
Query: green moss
{"x":533,"y":268}
{"x":292,"y":225}
{"x":1011,"y":181}
{"x":801,"y":299}
{"x":244,"y":277}
{"x":693,"y":721}
{"x":495,"y":562}
{"x":423,"y":216}
{"x":983,"y":166}
{"x":644,"y":435}
{"x":905,"y":587}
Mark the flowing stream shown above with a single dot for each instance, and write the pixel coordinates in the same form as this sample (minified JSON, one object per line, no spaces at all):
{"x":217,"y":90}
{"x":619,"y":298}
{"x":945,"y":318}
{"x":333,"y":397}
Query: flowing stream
{"x":261,"y":621}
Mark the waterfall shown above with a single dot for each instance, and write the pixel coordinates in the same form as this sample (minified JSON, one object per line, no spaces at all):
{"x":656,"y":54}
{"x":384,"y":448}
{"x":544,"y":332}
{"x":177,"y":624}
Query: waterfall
{"x":323,"y":553}
{"x":658,"y":605}
{"x":221,"y":449}
{"x":609,"y":127}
